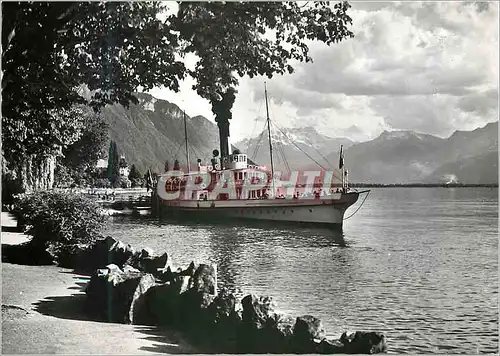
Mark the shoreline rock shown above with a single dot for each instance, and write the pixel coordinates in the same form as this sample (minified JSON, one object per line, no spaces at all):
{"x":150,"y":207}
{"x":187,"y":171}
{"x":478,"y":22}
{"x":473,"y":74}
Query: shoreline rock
{"x":139,"y":288}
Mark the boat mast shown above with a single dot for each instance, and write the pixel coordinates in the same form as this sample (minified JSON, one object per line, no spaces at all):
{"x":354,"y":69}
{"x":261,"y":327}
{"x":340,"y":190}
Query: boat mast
{"x":186,"y":139}
{"x":343,"y":165}
{"x":270,"y":142}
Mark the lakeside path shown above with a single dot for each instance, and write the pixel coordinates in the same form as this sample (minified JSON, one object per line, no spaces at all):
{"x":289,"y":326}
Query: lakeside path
{"x":42,"y":313}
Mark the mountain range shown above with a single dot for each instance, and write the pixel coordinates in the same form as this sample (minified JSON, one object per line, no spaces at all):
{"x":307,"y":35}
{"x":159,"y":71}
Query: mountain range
{"x":409,"y":157}
{"x":292,"y":148}
{"x":152,"y":131}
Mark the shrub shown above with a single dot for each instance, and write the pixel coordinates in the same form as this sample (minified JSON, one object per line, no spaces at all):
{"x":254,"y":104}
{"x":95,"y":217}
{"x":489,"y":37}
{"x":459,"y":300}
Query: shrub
{"x":102,"y":183}
{"x":11,"y":186}
{"x":59,"y":217}
{"x":123,"y":182}
{"x":63,"y":177}
{"x":137,"y":182}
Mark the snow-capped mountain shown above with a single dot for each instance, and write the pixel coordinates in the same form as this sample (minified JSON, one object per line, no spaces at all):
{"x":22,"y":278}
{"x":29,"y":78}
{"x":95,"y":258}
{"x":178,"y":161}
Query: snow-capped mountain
{"x":294,"y":147}
{"x":404,"y":135}
{"x":153,"y":131}
{"x":410,"y":157}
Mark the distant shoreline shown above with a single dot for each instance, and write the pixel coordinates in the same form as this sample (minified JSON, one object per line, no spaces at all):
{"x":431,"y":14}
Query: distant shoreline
{"x":422,"y":185}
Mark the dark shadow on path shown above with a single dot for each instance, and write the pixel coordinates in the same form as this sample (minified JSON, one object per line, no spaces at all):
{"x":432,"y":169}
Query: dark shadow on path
{"x":26,"y":254}
{"x":65,"y":307}
{"x":174,"y":343}
{"x":11,"y":229}
{"x":73,"y":308}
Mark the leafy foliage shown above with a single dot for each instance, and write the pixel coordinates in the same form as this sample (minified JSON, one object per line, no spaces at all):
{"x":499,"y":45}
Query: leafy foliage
{"x":113,"y":164}
{"x":49,"y":50}
{"x":135,"y":177}
{"x":10,"y":186}
{"x":43,"y":134}
{"x":77,"y":162}
{"x":234,"y":39}
{"x":122,"y":182}
{"x":64,"y":177}
{"x":90,"y":147}
{"x":254,"y":38}
{"x":57,"y":56}
{"x":59,"y":217}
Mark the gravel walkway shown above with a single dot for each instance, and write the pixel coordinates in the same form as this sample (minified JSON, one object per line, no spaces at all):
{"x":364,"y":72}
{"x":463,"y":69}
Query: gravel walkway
{"x":41,"y":313}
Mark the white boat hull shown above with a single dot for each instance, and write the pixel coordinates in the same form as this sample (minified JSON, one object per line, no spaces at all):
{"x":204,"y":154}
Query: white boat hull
{"x":329,"y":210}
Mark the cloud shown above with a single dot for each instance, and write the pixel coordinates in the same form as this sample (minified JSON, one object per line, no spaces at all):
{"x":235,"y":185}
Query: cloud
{"x":438,"y":115}
{"x":393,"y":55}
{"x":483,"y":103}
{"x":425,"y":66}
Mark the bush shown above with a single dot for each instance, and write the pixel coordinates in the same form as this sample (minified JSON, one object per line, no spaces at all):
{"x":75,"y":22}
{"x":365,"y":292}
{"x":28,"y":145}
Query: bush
{"x":63,"y":177}
{"x":62,"y":218}
{"x":10,"y":187}
{"x":137,"y":182}
{"x":102,"y":183}
{"x":123,"y":182}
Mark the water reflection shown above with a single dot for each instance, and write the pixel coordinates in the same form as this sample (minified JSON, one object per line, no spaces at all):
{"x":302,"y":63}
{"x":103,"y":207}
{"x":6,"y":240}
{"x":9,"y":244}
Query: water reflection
{"x":287,"y":235}
{"x":243,"y":252}
{"x":290,"y":235}
{"x":239,"y":247}
{"x":225,"y":248}
{"x":420,"y":265}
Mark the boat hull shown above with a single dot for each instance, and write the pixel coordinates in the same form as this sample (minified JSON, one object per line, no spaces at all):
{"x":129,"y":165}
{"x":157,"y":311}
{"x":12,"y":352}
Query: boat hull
{"x":324,"y":211}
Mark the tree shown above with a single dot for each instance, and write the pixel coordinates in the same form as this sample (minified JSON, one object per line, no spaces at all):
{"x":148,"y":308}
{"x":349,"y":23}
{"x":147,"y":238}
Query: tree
{"x":134,"y":173}
{"x":59,"y":55}
{"x":135,"y":176}
{"x":234,"y":39}
{"x":113,"y":164}
{"x":79,"y":159}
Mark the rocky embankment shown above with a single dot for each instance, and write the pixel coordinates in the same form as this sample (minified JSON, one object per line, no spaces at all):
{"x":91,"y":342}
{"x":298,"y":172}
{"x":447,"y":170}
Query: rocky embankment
{"x":139,"y":287}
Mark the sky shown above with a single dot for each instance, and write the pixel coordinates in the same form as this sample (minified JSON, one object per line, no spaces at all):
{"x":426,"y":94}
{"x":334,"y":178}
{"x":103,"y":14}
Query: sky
{"x":430,"y":67}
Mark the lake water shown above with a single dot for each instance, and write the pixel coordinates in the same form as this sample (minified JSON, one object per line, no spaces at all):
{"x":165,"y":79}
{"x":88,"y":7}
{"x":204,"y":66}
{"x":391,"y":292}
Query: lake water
{"x":419,"y":264}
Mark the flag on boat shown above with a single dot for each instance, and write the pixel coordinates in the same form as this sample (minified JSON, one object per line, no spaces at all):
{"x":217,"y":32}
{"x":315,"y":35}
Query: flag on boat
{"x":341,"y":159}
